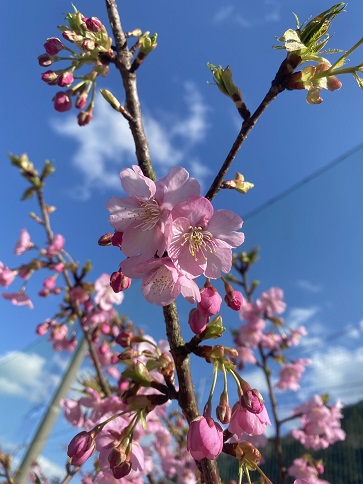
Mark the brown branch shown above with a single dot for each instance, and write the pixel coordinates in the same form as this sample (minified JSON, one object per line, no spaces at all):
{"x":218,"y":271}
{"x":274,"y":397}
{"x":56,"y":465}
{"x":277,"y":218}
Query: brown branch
{"x":75,"y":307}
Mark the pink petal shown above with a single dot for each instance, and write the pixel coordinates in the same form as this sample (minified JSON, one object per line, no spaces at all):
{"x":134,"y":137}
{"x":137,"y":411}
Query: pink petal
{"x":136,"y":184}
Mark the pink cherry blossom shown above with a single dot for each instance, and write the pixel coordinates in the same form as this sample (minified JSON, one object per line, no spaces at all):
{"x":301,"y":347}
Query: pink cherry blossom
{"x":162,"y":282}
{"x":105,"y":297}
{"x":290,"y":374}
{"x":56,"y":245}
{"x":6,"y":275}
{"x":200,"y":240}
{"x":320,"y":424}
{"x":141,"y":217}
{"x":205,"y":438}
{"x":272,"y":301}
{"x":18,"y":299}
{"x":243,"y":421}
{"x":24,"y":243}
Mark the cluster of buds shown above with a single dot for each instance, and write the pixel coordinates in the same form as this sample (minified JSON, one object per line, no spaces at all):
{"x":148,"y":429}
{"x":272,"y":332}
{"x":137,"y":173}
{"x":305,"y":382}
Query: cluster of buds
{"x":306,"y":44}
{"x":89,"y":35}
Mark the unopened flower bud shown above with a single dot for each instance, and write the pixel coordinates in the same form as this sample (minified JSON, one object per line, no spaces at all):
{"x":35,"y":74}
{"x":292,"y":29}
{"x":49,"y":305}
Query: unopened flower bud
{"x":93,"y":24}
{"x":84,"y":118}
{"x":45,"y":60}
{"x":197,"y":321}
{"x":81,"y":447}
{"x":88,"y":44}
{"x":233,"y":299}
{"x":119,"y":282}
{"x":252,"y":401}
{"x":62,"y":102}
{"x":65,"y":79}
{"x":53,"y":46}
{"x":210,"y":300}
{"x":224,"y":413}
{"x":124,"y":338}
{"x":214,"y":329}
{"x":50,"y":77}
{"x":105,"y":240}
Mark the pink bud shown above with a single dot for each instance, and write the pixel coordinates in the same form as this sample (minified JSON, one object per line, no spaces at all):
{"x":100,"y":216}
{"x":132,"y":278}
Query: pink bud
{"x":210,"y":300}
{"x":6,"y":275}
{"x":53,"y":46}
{"x":84,"y":118}
{"x":93,"y":24}
{"x":45,"y":60}
{"x":197,"y":321}
{"x":71,"y":36}
{"x":88,"y":44}
{"x":50,"y":77}
{"x":252,"y":401}
{"x":62,"y":102}
{"x":65,"y":79}
{"x":224,"y":413}
{"x":42,"y":329}
{"x":119,"y":282}
{"x":49,"y":282}
{"x":81,"y":100}
{"x":205,"y":438}
{"x":80,"y":448}
{"x":234,"y":300}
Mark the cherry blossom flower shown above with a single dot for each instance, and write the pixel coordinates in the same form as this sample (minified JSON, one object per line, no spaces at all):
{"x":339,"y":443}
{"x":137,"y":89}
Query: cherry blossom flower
{"x":306,"y":473}
{"x":205,"y":438}
{"x":141,"y":217}
{"x":56,"y":245}
{"x":290,"y":374}
{"x":243,"y":421}
{"x":162,"y":282}
{"x":24,"y":243}
{"x":18,"y":299}
{"x":271,"y":302}
{"x":105,"y":296}
{"x":6,"y":275}
{"x":200,"y":240}
{"x":320,"y":424}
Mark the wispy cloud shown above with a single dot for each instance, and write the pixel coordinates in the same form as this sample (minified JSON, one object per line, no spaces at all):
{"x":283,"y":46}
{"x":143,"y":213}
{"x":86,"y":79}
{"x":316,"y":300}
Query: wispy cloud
{"x":298,"y":316}
{"x":51,"y":469}
{"x":309,"y":286}
{"x":257,"y":14}
{"x":106,"y":145}
{"x":26,"y":375}
{"x":334,"y":371}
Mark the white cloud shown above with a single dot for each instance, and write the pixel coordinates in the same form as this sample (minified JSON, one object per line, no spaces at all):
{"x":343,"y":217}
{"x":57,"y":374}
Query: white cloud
{"x":50,"y":469}
{"x":309,"y":286}
{"x":298,"y":316}
{"x":26,"y":375}
{"x":334,"y":371}
{"x":223,"y":13}
{"x":258,"y":14}
{"x":106,"y":145}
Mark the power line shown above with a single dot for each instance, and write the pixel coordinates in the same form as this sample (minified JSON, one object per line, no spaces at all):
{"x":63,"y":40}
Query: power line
{"x":303,"y":181}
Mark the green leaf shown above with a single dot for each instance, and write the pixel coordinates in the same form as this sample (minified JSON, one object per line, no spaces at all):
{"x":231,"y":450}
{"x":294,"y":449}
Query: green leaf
{"x":28,"y":193}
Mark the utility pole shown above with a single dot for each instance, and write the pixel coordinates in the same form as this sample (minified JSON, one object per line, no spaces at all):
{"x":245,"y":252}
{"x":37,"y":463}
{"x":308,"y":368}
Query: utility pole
{"x":51,"y":415}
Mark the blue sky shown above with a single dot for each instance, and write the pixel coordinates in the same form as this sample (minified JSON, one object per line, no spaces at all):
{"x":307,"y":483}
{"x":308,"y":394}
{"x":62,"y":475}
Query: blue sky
{"x":310,"y":240}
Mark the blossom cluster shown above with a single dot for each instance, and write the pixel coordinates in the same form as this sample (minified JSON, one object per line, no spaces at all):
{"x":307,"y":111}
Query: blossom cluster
{"x":171,"y":235}
{"x":89,"y":35}
{"x":320,"y":424}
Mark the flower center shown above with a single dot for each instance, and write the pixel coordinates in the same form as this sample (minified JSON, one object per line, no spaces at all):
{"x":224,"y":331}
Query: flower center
{"x":199,"y":240}
{"x":149,"y":214}
{"x":161,"y":282}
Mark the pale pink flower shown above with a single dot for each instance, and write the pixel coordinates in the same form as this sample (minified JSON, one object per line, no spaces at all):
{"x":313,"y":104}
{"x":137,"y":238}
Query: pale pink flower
{"x":205,"y":438}
{"x":72,"y":411}
{"x":271,"y":302}
{"x":105,"y":297}
{"x":243,"y":421}
{"x":305,"y":473}
{"x":290,"y":374}
{"x":18,"y":299}
{"x":78,"y":294}
{"x":24,"y":243}
{"x":200,"y":240}
{"x":56,"y":245}
{"x":6,"y":275}
{"x":320,"y":424}
{"x":162,"y":282}
{"x":141,"y":217}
